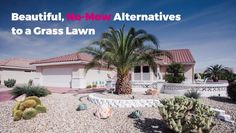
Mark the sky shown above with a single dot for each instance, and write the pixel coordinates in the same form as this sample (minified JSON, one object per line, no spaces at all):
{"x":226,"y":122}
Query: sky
{"x":207,"y":27}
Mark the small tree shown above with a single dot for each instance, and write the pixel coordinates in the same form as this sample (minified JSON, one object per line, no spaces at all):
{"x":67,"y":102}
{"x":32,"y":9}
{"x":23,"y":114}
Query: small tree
{"x":175,"y":73}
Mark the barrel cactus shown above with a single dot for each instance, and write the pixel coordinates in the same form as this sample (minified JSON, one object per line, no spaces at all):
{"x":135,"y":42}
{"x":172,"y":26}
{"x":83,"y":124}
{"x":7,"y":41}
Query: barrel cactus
{"x":28,"y":108}
{"x":135,"y":114}
{"x":182,"y":114}
{"x":17,"y":115}
{"x":41,"y":109}
{"x":29,"y":113}
{"x":29,"y":103}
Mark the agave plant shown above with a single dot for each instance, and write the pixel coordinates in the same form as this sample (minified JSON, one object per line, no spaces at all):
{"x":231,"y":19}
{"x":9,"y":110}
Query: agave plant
{"x":214,"y":72}
{"x":123,"y":51}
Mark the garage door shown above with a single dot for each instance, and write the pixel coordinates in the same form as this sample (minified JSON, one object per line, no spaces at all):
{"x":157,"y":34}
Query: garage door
{"x":57,"y":77}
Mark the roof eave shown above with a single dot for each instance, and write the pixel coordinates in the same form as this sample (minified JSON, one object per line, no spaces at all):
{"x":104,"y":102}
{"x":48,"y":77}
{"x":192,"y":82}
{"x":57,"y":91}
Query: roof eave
{"x":59,"y":63}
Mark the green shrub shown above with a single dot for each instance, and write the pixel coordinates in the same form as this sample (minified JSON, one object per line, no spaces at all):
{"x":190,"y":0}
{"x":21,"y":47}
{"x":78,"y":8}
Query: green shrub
{"x":94,"y":85}
{"x":231,"y":90}
{"x":38,"y":91}
{"x":88,"y":86}
{"x":10,"y":83}
{"x":175,"y":73}
{"x":192,"y":94}
{"x":182,"y":114}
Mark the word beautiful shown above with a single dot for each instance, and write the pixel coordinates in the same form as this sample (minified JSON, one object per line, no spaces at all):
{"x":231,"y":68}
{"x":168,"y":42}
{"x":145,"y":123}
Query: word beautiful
{"x":53,"y":31}
{"x":123,"y":17}
{"x":37,"y":17}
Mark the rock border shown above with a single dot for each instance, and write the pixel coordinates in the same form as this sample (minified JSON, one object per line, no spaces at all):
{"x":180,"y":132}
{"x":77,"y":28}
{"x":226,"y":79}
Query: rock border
{"x":117,"y":103}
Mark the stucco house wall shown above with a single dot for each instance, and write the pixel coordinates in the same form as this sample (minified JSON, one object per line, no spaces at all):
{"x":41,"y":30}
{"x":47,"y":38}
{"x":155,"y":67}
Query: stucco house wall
{"x":70,"y":75}
{"x":20,"y":76}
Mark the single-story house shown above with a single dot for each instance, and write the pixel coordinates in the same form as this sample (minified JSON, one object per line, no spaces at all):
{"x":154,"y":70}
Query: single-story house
{"x":68,"y":70}
{"x":18,"y":69}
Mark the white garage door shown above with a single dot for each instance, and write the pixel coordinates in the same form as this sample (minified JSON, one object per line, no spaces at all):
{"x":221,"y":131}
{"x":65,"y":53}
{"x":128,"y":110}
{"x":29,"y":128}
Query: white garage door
{"x":57,"y":77}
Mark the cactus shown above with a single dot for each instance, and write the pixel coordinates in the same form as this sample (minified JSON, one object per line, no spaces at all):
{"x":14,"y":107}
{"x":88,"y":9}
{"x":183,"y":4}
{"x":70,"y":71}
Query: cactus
{"x":36,"y":99}
{"x":28,"y":108}
{"x":41,"y":109}
{"x":15,"y":108}
{"x":135,"y":114}
{"x":17,"y":115}
{"x":81,"y":107}
{"x":29,"y":113}
{"x":28,"y":103}
{"x":182,"y":114}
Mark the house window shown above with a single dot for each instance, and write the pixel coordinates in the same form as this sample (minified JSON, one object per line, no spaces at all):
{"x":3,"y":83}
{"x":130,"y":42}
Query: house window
{"x":146,"y":73}
{"x":137,"y":69}
{"x":146,"y":69}
{"x":137,"y":73}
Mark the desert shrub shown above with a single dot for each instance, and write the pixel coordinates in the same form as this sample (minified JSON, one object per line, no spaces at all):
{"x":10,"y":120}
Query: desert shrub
{"x":38,"y":91}
{"x":88,"y":86}
{"x":30,"y":83}
{"x":175,"y":73}
{"x":10,"y":83}
{"x":94,"y":85}
{"x":192,"y":94}
{"x":231,"y":90}
{"x":182,"y":114}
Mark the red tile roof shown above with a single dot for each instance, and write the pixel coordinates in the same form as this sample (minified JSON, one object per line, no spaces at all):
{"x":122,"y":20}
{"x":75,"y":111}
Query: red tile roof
{"x":16,"y":63}
{"x":179,"y":56}
{"x":66,"y":58}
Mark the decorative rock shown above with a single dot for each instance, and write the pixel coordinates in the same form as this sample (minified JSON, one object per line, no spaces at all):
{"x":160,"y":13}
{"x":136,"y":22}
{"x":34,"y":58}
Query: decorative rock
{"x":218,"y":111}
{"x":103,"y":112}
{"x":81,"y":107}
{"x":152,"y":92}
{"x":135,"y":114}
{"x":20,"y":98}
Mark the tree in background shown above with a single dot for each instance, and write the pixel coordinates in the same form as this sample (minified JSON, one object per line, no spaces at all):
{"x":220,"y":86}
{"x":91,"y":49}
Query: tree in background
{"x":214,"y":72}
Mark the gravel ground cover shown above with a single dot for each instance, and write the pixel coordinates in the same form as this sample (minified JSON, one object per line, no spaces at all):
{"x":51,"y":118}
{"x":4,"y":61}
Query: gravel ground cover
{"x":62,"y":117}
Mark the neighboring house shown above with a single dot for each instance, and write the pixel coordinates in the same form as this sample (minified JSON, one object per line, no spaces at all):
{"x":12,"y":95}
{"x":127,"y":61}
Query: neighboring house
{"x":18,"y":69}
{"x":68,"y":70}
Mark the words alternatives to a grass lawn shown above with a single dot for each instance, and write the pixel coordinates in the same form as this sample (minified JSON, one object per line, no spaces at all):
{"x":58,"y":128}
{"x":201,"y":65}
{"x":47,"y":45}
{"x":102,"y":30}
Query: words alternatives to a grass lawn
{"x":92,"y":17}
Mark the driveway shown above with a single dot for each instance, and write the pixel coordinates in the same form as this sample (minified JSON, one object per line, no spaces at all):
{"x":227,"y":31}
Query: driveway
{"x":5,"y":92}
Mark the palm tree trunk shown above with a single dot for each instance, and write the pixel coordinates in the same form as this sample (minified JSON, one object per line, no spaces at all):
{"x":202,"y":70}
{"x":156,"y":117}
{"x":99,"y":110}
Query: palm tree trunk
{"x":123,"y":85}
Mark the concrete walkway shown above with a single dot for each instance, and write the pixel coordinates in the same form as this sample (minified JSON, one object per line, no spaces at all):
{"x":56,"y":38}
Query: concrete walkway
{"x":6,"y":96}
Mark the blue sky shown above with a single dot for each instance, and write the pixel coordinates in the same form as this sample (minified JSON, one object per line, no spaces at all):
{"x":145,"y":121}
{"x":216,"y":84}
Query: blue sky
{"x":207,"y":27}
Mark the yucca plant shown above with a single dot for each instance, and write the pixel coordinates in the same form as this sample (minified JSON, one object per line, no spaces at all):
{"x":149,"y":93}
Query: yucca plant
{"x":123,"y":51}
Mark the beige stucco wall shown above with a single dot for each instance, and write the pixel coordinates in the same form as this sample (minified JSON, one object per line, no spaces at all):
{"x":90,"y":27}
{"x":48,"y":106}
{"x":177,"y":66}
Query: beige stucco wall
{"x":20,"y":76}
{"x":78,"y":75}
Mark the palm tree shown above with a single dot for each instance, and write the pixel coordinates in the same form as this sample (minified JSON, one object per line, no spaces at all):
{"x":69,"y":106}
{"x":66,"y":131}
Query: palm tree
{"x":123,"y":51}
{"x":214,"y":72}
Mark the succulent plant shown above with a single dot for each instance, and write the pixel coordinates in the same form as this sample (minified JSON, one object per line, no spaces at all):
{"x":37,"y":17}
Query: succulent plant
{"x":15,"y":107}
{"x":28,"y":108}
{"x":36,"y":99}
{"x":29,"y":113}
{"x":17,"y":115}
{"x":135,"y":114}
{"x":182,"y":114}
{"x":41,"y":109}
{"x":28,"y":103}
{"x":82,"y":107}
